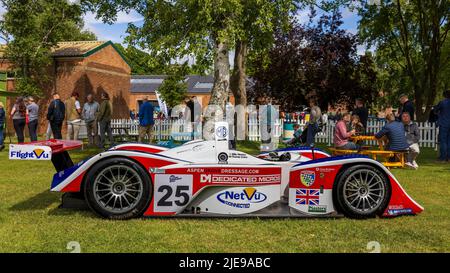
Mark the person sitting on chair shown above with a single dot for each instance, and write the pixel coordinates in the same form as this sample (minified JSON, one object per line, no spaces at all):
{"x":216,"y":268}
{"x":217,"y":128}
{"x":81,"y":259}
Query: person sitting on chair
{"x":342,"y":135}
{"x":297,"y":139}
{"x":395,"y":133}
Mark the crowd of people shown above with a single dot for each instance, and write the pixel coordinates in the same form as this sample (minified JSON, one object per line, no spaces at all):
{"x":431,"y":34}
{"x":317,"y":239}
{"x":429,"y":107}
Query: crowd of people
{"x":25,"y":113}
{"x":400,"y":134}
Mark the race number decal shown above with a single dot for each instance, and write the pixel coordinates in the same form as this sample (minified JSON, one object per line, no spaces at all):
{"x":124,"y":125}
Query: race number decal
{"x":172,"y":192}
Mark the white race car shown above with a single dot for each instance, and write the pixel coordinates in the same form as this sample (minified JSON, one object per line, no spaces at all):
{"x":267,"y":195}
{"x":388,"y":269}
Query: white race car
{"x":207,"y":179}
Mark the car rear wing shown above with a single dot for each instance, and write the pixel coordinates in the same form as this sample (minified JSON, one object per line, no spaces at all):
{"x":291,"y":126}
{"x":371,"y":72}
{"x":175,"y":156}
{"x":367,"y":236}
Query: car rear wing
{"x":54,"y":150}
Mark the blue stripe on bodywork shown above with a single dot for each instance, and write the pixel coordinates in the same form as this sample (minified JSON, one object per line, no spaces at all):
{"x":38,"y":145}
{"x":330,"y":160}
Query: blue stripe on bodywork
{"x":59,"y":177}
{"x":326,"y":159}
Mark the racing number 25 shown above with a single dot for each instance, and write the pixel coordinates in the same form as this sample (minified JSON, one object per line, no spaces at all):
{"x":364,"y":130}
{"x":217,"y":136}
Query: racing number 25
{"x":181,"y":193}
{"x":172,"y":192}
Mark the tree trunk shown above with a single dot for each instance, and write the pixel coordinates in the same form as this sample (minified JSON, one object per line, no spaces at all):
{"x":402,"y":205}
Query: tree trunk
{"x":238,"y":87}
{"x":221,"y":75}
{"x":238,"y":78}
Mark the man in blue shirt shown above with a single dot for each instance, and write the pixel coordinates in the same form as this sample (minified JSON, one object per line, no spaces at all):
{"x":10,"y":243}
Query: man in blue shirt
{"x":146,"y":121}
{"x":443,"y":112}
{"x":395,"y":132}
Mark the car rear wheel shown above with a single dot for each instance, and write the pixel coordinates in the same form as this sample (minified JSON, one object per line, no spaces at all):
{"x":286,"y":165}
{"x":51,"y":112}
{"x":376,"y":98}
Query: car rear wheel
{"x":362,"y":191}
{"x":118,"y":188}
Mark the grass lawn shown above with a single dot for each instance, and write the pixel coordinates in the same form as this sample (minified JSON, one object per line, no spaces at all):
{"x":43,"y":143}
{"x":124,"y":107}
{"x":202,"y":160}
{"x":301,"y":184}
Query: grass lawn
{"x":30,"y":221}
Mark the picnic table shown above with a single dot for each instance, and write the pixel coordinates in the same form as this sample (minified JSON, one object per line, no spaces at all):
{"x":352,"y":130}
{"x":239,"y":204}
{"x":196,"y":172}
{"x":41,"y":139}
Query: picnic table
{"x":380,"y":154}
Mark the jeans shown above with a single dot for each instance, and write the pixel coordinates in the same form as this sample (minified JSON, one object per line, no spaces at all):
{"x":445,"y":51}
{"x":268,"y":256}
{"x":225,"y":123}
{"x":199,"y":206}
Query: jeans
{"x":1,"y":135}
{"x":444,"y":142}
{"x":32,"y":128}
{"x":56,"y":129}
{"x":105,"y":127}
{"x":311,"y":133}
{"x":19,"y":126}
{"x":349,"y":146}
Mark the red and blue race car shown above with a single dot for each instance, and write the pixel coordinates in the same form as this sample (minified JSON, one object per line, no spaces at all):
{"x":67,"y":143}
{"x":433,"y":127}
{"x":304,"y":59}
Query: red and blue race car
{"x":207,"y":179}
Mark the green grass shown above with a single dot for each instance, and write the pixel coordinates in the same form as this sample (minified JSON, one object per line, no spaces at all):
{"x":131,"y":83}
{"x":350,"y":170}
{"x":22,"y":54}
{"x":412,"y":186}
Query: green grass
{"x":30,"y":221}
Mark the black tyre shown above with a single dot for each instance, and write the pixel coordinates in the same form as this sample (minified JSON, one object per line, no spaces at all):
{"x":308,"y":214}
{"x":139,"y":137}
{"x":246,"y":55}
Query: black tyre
{"x":361,"y":191}
{"x":118,"y":188}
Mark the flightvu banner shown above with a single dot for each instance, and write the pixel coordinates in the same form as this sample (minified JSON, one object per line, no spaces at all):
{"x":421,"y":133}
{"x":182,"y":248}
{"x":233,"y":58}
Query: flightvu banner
{"x":30,"y":152}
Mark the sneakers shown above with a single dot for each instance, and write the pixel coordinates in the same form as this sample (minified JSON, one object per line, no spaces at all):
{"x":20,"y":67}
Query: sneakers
{"x":416,"y":166}
{"x":411,"y":165}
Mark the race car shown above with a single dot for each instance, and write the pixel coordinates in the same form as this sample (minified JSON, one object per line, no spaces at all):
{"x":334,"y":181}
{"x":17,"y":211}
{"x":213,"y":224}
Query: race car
{"x":207,"y":179}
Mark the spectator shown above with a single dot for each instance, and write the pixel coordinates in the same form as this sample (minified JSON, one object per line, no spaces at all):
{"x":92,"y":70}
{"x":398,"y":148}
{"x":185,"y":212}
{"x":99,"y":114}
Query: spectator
{"x":443,"y":112}
{"x":33,"y":115}
{"x":357,"y":125}
{"x":342,"y":135}
{"x":361,"y":111}
{"x":55,"y":115}
{"x":18,"y":115}
{"x":297,"y":139}
{"x":104,"y":120}
{"x":90,"y":110}
{"x":2,"y":124}
{"x":406,"y":106}
{"x":412,"y":138}
{"x":395,"y":133}
{"x":313,"y":124}
{"x":146,"y":121}
{"x":73,"y":111}
{"x":133,"y":114}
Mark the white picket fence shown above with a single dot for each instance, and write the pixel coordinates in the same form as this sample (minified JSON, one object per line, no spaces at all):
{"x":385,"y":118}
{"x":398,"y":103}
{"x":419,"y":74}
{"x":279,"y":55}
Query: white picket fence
{"x":182,"y":131}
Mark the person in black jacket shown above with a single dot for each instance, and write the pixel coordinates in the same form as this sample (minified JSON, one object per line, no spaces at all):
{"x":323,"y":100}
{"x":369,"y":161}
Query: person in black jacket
{"x":407,"y":106}
{"x":55,"y":115}
{"x":361,"y":111}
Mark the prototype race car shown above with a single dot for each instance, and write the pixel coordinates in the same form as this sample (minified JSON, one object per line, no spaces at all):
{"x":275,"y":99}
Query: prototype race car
{"x":206,"y":178}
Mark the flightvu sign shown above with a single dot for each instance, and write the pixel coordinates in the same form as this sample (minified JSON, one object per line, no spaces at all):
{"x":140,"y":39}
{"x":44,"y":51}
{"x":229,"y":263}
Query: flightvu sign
{"x":30,"y":152}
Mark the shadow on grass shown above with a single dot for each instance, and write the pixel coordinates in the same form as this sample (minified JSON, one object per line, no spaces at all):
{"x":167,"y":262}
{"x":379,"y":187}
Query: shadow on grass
{"x":40,"y":201}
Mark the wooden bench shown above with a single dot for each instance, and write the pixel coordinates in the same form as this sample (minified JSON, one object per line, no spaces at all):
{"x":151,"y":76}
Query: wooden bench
{"x":374,"y":154}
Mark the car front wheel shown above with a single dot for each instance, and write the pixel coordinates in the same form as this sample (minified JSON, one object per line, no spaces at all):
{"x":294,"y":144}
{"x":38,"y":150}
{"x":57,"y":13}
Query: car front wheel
{"x":118,"y":188}
{"x":362,"y":191}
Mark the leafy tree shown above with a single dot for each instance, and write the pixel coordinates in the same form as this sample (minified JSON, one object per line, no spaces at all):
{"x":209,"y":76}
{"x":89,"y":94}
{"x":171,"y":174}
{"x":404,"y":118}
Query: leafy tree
{"x":141,"y":62}
{"x":174,"y":88}
{"x":31,"y":28}
{"x":412,"y":33}
{"x":315,"y":61}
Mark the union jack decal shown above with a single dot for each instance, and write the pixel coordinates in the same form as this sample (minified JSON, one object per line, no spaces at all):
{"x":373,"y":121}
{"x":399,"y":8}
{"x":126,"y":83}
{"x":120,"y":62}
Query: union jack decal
{"x":307,"y":197}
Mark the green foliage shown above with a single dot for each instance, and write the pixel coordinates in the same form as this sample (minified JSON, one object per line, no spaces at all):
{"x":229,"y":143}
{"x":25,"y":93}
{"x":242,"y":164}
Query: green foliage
{"x":411,"y":36}
{"x":174,"y":88}
{"x":32,"y":28}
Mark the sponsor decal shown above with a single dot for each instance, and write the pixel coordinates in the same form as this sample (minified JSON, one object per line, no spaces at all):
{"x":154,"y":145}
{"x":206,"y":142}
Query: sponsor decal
{"x":210,"y":178}
{"x":221,"y":132}
{"x":30,"y":152}
{"x":317,"y":209}
{"x":307,"y":197}
{"x":238,"y":155}
{"x":156,"y":170}
{"x":241,"y":199}
{"x":307,"y":178}
{"x":174,"y":178}
{"x":394,"y":212}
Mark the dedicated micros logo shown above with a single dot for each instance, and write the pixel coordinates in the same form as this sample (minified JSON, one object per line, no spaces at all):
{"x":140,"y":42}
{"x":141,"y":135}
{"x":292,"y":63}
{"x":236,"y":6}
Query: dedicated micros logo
{"x":35,"y":154}
{"x":242,"y":199}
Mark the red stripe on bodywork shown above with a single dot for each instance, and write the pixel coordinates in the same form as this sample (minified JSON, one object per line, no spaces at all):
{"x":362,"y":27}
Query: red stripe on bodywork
{"x":75,"y":185}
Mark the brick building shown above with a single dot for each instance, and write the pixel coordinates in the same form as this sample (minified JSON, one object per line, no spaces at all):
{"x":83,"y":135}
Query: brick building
{"x":85,"y":67}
